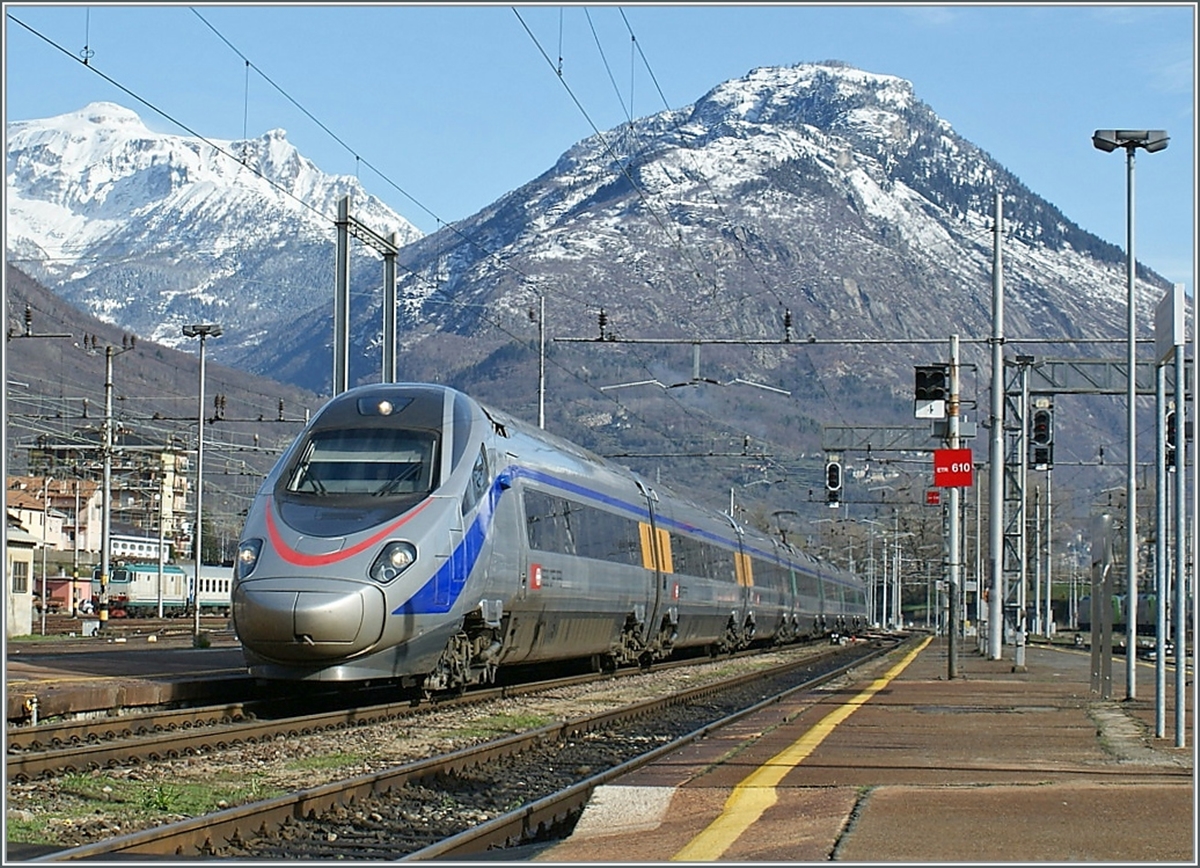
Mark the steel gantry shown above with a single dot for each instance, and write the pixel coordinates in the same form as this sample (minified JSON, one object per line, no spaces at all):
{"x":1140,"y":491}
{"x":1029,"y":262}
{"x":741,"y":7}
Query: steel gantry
{"x":347,"y":227}
{"x":1030,"y":376}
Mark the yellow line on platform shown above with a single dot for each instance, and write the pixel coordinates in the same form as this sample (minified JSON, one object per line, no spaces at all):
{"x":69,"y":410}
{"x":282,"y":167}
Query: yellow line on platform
{"x":756,"y":792}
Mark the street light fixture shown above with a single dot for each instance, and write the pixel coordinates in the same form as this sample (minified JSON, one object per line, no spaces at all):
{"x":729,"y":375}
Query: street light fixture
{"x":1109,"y":140}
{"x":1151,"y":141}
{"x":202,"y":331}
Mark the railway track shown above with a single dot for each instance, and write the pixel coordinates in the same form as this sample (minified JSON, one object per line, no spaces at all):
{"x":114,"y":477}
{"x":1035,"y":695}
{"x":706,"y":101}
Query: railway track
{"x":71,"y":746}
{"x":498,"y":794}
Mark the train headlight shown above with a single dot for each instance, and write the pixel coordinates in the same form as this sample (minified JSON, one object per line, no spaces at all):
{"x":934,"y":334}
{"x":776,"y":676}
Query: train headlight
{"x":395,"y":558}
{"x":247,"y":557}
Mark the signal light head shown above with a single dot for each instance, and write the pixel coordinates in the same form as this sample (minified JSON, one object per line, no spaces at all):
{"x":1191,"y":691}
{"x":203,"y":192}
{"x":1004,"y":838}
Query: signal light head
{"x":833,"y":476}
{"x":1040,"y":430}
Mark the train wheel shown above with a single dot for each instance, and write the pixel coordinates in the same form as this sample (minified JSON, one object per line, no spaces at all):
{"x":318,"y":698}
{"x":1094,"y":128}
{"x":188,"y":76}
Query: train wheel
{"x":453,"y":668}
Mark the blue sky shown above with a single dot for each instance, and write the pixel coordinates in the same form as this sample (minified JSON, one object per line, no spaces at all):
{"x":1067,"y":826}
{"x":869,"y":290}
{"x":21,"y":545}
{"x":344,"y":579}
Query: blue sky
{"x":457,"y":104}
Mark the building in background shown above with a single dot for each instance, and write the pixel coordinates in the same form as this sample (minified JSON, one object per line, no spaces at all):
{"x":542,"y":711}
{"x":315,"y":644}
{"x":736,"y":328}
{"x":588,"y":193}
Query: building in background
{"x":19,"y":549}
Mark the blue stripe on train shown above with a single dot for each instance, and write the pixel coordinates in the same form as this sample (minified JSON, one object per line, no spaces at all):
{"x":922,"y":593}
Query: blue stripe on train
{"x":438,"y":595}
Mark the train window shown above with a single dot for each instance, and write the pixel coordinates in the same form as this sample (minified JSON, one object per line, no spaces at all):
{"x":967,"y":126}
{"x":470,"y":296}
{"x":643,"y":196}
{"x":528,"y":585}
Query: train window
{"x":546,"y":523}
{"x":478,"y":483}
{"x":375,"y":461}
{"x":694,"y":557}
{"x":605,"y":536}
{"x":555,"y":524}
{"x":832,"y":594}
{"x":771,"y":574}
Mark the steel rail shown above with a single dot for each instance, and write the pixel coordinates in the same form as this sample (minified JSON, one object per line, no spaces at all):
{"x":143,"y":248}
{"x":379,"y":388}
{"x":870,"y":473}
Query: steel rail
{"x":155,"y":736}
{"x":206,"y":835}
{"x":56,"y":735}
{"x":527,"y":823}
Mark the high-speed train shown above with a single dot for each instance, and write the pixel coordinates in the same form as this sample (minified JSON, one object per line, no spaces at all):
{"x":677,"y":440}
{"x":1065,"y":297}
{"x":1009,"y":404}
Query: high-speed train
{"x":411,"y":533}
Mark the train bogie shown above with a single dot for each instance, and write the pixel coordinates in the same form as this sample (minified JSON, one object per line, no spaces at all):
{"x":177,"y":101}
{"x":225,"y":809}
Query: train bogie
{"x":411,"y":533}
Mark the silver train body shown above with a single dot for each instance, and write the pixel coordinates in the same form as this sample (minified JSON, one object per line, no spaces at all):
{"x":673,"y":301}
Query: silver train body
{"x":411,"y":533}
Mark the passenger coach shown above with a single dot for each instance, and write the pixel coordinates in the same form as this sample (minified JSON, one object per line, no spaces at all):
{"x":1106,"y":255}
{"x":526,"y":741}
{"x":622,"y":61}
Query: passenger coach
{"x":412,"y":533}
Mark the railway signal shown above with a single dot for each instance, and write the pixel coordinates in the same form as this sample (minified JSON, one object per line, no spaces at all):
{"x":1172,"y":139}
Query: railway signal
{"x":833,"y":483}
{"x":1171,"y":440}
{"x":1041,"y":435}
{"x":930,"y":391}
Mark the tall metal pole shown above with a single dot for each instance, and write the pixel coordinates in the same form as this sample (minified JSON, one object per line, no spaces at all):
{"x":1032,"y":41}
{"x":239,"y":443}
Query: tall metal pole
{"x":1181,"y":590}
{"x":1153,"y":141}
{"x":1022,"y":523}
{"x":996,"y":453}
{"x":883,"y":579}
{"x":1131,"y":547}
{"x":1181,"y":548}
{"x":341,"y":301}
{"x":871,"y":574}
{"x":45,"y":545}
{"x":203,"y":332}
{"x":75,"y":556}
{"x":897,"y":595}
{"x":979,"y":581}
{"x":542,"y":361}
{"x":106,"y":489}
{"x":1161,"y":592}
{"x":162,"y":553}
{"x":955,"y":555}
{"x":389,"y":310}
{"x":1037,"y":561}
{"x":197,"y":535}
{"x":1049,"y":549}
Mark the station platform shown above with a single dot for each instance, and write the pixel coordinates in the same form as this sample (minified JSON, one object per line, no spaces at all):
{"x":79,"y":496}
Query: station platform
{"x":904,"y":764}
{"x":96,"y":676}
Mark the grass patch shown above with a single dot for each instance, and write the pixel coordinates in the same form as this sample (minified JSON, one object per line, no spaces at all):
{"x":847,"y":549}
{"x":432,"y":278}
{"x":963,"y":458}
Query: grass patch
{"x":21,"y":831}
{"x":326,"y":761}
{"x":132,"y":804}
{"x":38,"y":637}
{"x":500,"y":724}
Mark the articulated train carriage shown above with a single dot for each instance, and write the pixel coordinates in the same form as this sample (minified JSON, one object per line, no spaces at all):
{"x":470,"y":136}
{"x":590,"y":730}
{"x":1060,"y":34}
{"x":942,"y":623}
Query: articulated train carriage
{"x":410,"y":533}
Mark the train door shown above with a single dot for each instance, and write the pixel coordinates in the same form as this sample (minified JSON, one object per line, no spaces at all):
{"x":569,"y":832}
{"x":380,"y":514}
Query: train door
{"x":655,"y":557}
{"x":747,"y":595}
{"x":794,"y":605}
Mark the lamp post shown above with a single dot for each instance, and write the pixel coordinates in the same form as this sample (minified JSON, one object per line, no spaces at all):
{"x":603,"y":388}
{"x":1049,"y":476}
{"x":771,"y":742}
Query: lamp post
{"x":162,"y":504}
{"x":1152,"y":141}
{"x":202,"y":331}
{"x":45,"y":545}
{"x":75,"y":554}
{"x":110,"y":352}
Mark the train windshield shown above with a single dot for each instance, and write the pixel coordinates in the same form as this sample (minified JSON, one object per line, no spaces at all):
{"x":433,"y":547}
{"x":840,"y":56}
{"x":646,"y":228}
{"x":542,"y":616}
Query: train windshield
{"x":375,"y":462}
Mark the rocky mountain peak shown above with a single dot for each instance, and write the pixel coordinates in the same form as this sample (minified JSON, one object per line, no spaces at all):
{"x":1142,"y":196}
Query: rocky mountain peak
{"x":817,"y":191}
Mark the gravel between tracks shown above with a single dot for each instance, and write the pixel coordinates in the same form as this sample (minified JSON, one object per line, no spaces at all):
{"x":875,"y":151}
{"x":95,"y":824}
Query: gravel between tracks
{"x":71,"y":816}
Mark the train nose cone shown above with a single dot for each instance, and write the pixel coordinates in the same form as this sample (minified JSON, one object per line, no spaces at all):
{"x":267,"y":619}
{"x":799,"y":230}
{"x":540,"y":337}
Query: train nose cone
{"x":328,"y":620}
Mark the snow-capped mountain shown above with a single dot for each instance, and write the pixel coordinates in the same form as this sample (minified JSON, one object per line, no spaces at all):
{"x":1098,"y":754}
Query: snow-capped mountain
{"x":819,"y":192}
{"x":830,"y":190}
{"x":149,"y":231}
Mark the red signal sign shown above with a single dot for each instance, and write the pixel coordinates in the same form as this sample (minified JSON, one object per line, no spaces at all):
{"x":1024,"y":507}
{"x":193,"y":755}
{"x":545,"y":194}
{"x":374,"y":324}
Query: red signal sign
{"x":933,"y":497}
{"x":953,"y":468}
